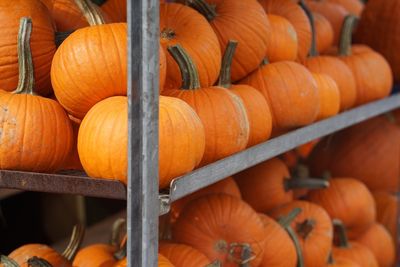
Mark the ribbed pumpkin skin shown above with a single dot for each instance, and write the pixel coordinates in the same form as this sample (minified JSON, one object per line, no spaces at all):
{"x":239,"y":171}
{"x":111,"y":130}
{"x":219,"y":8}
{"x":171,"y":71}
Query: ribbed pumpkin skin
{"x":317,"y":245}
{"x":372,"y":74}
{"x":224,"y":119}
{"x":381,"y":244}
{"x":121,"y":263}
{"x":42,"y":43}
{"x":95,"y":255}
{"x":90,"y":66}
{"x":377,"y":140}
{"x":354,"y":7}
{"x":189,"y":27}
{"x":36,"y":133}
{"x":340,"y":73}
{"x":72,"y":161}
{"x":341,"y":262}
{"x":182,"y":255}
{"x":348,"y":200}
{"x":104,"y":153}
{"x":379,"y":29}
{"x":164,"y":262}
{"x":386,"y":211}
{"x":329,"y":96}
{"x":297,"y":17}
{"x":210,"y":222}
{"x":115,"y":10}
{"x":282,"y":32}
{"x":163,"y":69}
{"x":323,"y":31}
{"x":279,"y":250}
{"x":22,"y":254}
{"x":290,"y":91}
{"x":262,"y":186}
{"x":357,"y":253}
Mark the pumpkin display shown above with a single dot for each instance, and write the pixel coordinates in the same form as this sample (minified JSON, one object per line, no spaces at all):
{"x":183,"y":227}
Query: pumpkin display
{"x":329,"y":96}
{"x":42,"y":43}
{"x":350,"y":249}
{"x":378,"y":29}
{"x":115,"y":10}
{"x":219,"y":226}
{"x":348,"y":200}
{"x":24,"y":114}
{"x":290,"y":91}
{"x":323,"y":32}
{"x":296,"y":16}
{"x":313,"y":229}
{"x":164,"y":262}
{"x":251,"y":29}
{"x":381,"y":244}
{"x":355,"y":7}
{"x":282,"y":32}
{"x":182,"y":255}
{"x":268,"y":185}
{"x":222,"y":139}
{"x":377,"y":140}
{"x":98,"y":148}
{"x":387,"y":210}
{"x":257,"y":109}
{"x":180,"y":24}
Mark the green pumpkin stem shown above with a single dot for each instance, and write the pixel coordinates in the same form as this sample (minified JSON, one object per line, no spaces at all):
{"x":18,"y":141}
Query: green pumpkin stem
{"x":341,"y":233}
{"x":225,"y":74}
{"x":330,"y":258}
{"x":91,"y":12}
{"x":116,"y":230}
{"x":313,"y":50}
{"x":26,"y":80}
{"x":285,"y":221}
{"x":305,"y":183}
{"x":75,"y":242}
{"x":121,"y":253}
{"x":264,"y":62}
{"x":295,"y":239}
{"x":7,"y":262}
{"x":189,"y":73}
{"x":305,"y":228}
{"x":204,"y":8}
{"x":214,"y":264}
{"x":38,"y":262}
{"x":346,"y":35}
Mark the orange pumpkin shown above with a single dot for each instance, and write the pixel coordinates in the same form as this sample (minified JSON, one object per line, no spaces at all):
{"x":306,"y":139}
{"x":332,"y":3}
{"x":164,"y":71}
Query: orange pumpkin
{"x":348,"y":200}
{"x":355,"y":7}
{"x":95,"y":255}
{"x":164,"y":262}
{"x":115,"y":10}
{"x":182,"y":255}
{"x":220,"y":226}
{"x":387,"y":210}
{"x":381,"y":244}
{"x":313,"y":229}
{"x":341,"y":262}
{"x":323,"y":32}
{"x":182,"y":25}
{"x":73,"y":162}
{"x":329,"y":96}
{"x":291,"y":92}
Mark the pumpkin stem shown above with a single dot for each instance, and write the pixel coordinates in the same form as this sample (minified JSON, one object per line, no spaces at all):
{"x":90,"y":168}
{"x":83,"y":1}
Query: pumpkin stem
{"x":346,"y":35}
{"x":38,"y":262}
{"x":121,"y":253}
{"x":341,"y":233}
{"x":330,"y":258}
{"x":285,"y":221}
{"x":214,"y":264}
{"x":91,"y":12}
{"x":293,"y":236}
{"x":189,"y":73}
{"x":225,"y":74}
{"x":313,"y":50}
{"x":26,"y":80}
{"x":306,"y":183}
{"x":8,"y":262}
{"x":75,"y":242}
{"x":245,"y":256}
{"x":116,"y":230}
{"x":204,"y":8}
{"x":264,"y":62}
{"x":305,"y":228}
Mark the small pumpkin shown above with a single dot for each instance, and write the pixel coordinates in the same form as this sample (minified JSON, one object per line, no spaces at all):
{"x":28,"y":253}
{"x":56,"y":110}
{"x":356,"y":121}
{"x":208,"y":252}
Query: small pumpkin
{"x":313,"y":229}
{"x":329,"y":96}
{"x":183,"y":255}
{"x":115,"y":10}
{"x":386,"y":210}
{"x":323,"y":32}
{"x":220,"y":226}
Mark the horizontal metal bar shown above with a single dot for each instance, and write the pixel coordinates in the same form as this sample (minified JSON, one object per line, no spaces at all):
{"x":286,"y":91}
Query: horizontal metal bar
{"x":67,"y":184}
{"x":217,"y":171}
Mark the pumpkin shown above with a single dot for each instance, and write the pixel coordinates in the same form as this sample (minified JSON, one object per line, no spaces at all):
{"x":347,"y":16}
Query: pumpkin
{"x":329,"y":96}
{"x":182,"y":255}
{"x":72,"y":161}
{"x":42,"y":43}
{"x":378,"y":29}
{"x":348,"y":200}
{"x":97,"y":148}
{"x":214,"y":105}
{"x":268,"y":185}
{"x":350,"y":249}
{"x":355,"y":7}
{"x":257,"y":109}
{"x":221,"y":226}
{"x":296,"y":16}
{"x":290,"y":91}
{"x":341,"y":262}
{"x":95,"y":255}
{"x":323,"y":32}
{"x":377,"y":140}
{"x":115,"y":10}
{"x":25,"y":114}
{"x":164,"y":262}
{"x":245,"y":22}
{"x":32,"y":262}
{"x":313,"y":229}
{"x":387,"y":210}
{"x":226,"y":186}
{"x":281,"y":32}
{"x":381,"y":244}
{"x":180,"y":24}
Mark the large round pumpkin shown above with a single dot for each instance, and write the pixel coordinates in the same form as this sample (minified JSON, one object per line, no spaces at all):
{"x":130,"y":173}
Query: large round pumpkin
{"x":387,"y":211}
{"x":220,"y":225}
{"x":181,"y":255}
{"x":282,"y":32}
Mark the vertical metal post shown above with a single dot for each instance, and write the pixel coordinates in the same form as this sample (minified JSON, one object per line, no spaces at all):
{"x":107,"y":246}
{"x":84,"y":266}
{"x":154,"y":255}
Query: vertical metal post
{"x":143,"y":80}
